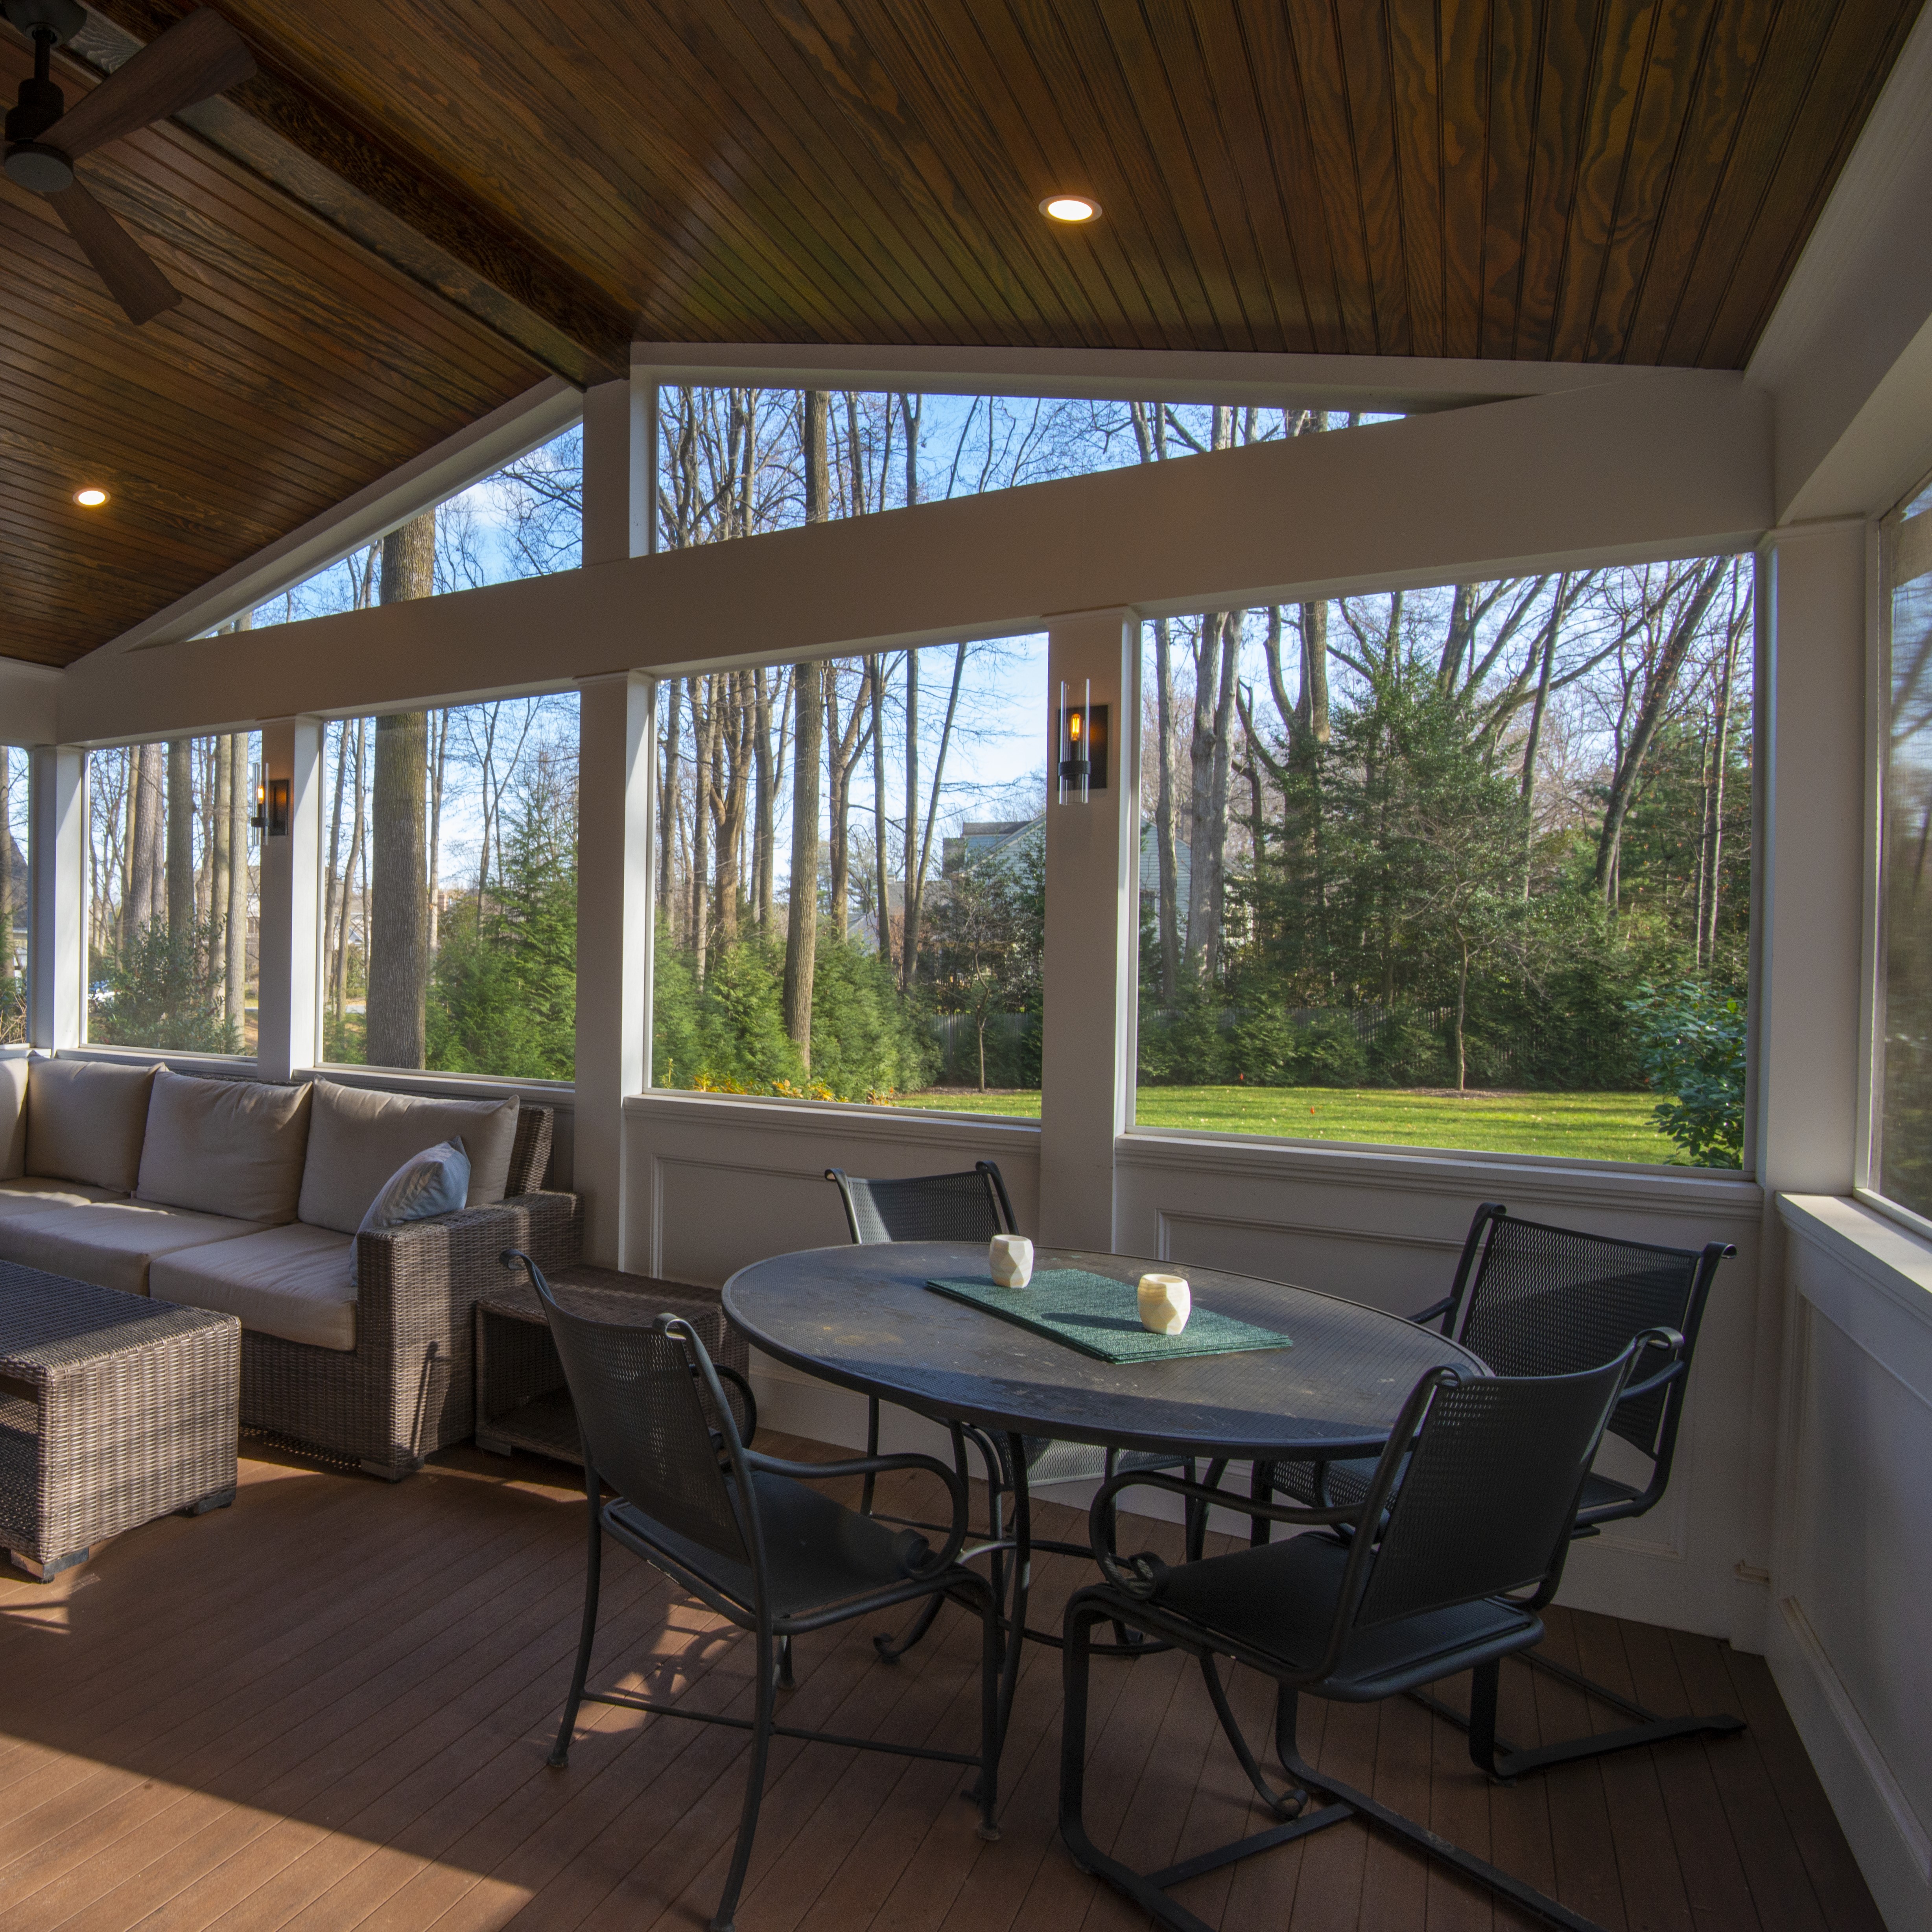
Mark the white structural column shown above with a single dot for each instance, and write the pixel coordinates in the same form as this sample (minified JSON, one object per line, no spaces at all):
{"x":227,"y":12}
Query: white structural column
{"x":614,"y":931}
{"x":1092,"y":920}
{"x":614,"y":886}
{"x":1811,"y":864}
{"x":57,"y":851}
{"x":287,"y":1013}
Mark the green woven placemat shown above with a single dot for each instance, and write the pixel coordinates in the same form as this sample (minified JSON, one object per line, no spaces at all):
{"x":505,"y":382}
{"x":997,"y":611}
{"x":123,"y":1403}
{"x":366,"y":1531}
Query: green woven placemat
{"x":1101,"y":1317}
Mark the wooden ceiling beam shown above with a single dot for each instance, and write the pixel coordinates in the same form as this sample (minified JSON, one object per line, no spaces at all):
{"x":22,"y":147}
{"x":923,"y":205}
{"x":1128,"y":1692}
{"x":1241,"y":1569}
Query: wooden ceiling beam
{"x":281,"y":133}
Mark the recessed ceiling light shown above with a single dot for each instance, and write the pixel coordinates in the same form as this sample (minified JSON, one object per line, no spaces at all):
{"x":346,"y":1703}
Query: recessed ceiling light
{"x":1071,"y":207}
{"x":92,"y":499}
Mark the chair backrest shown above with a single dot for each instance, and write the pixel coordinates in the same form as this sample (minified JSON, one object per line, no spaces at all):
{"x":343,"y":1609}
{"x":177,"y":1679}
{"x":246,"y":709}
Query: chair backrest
{"x":971,"y":1207}
{"x":1533,"y":1300}
{"x":1485,"y":1475}
{"x":638,"y":1392}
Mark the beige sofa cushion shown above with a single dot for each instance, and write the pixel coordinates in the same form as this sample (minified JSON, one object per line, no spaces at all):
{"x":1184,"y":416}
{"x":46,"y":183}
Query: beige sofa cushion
{"x":14,"y":1117}
{"x":357,"y":1137}
{"x":34,"y":1192}
{"x":110,"y":1242}
{"x":297,"y":1282}
{"x":84,"y":1121}
{"x":225,"y":1146}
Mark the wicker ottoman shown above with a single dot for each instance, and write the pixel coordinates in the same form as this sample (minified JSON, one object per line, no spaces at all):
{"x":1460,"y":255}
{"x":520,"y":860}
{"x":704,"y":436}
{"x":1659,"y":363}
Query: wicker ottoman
{"x":114,"y":1410}
{"x":521,"y":1402}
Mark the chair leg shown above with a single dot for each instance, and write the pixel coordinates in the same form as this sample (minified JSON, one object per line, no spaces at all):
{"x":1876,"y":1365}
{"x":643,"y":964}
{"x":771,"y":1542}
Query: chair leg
{"x":1485,"y":1680}
{"x":723,"y":1920}
{"x":786,"y":1680}
{"x":593,"y":1566}
{"x":991,"y":1652}
{"x":871,"y":1449}
{"x":1507,"y":1762}
{"x":1260,"y":1488}
{"x":891,"y":1649}
{"x":1283,"y":1804}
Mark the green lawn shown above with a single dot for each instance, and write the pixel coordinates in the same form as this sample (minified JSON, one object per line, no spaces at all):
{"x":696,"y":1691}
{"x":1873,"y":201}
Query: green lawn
{"x":1587,"y":1126}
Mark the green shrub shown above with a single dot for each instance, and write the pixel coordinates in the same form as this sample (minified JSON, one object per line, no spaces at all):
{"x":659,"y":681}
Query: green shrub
{"x":1691,"y":1042}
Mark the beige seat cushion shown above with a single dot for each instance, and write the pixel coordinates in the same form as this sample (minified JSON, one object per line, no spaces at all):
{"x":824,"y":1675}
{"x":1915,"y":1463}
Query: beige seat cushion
{"x":85,"y":1119}
{"x":357,"y":1137}
{"x":297,"y":1282}
{"x":111,"y":1242}
{"x":225,"y":1146}
{"x":13,"y":1117}
{"x":33,"y":1194}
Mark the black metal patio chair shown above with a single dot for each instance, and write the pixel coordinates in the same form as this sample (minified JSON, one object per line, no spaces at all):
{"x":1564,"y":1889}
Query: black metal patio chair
{"x":1531,"y":1300}
{"x":1457,"y":1542}
{"x":747,"y":1537}
{"x":974,"y":1206}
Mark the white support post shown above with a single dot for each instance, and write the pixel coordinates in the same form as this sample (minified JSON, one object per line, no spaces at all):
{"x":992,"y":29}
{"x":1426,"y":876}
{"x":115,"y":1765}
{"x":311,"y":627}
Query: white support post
{"x":618,"y":731}
{"x":1811,"y":872}
{"x":57,"y":852}
{"x":617,"y":727}
{"x":288,"y":1015}
{"x":1093,"y":922}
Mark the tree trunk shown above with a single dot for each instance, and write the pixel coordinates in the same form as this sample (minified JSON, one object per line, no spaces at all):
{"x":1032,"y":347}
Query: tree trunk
{"x":144,"y":842}
{"x":736,"y":735}
{"x":234,"y":923}
{"x":915,"y":881}
{"x":1722,"y":727}
{"x":6,"y":865}
{"x":181,"y":839}
{"x":802,"y":916}
{"x":439,"y":734}
{"x":1658,"y":687}
{"x":349,"y":896}
{"x":399,"y":872}
{"x":220,"y":857}
{"x":1168,"y":913}
{"x":764,"y":838}
{"x":908,"y":948}
{"x":1217,"y":794}
{"x":704,"y":725}
{"x":875,"y":672}
{"x":1462,"y":1013}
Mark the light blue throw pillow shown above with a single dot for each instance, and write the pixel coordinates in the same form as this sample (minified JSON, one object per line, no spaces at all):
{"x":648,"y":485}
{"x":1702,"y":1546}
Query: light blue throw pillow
{"x":436,"y":1181}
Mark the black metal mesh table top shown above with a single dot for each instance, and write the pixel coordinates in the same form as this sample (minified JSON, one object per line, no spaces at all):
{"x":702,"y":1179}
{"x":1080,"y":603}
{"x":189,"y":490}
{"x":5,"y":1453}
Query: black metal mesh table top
{"x":48,"y":1323}
{"x":862,"y":1317}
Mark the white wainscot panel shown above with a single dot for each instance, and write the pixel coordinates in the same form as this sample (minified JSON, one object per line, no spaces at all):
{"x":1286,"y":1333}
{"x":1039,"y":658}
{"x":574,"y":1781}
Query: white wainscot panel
{"x":1386,"y":1228}
{"x":1852,"y":1576}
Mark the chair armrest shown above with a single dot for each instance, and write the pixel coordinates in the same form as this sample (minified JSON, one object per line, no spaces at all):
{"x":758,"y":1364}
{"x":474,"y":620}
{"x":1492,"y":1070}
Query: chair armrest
{"x":1434,"y":1312}
{"x":1141,"y":1575}
{"x":872,"y":1466}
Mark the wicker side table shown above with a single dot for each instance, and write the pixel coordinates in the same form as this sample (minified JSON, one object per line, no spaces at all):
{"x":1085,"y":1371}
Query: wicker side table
{"x":114,"y":1410}
{"x":521,"y":1401}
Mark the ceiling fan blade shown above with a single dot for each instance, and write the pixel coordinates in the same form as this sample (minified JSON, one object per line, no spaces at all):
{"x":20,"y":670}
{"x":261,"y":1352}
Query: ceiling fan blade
{"x":120,"y":261}
{"x":198,"y":56}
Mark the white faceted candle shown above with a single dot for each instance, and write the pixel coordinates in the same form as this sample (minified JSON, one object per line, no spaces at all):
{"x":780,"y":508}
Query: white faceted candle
{"x":1010,"y":1258}
{"x":1165,"y":1303}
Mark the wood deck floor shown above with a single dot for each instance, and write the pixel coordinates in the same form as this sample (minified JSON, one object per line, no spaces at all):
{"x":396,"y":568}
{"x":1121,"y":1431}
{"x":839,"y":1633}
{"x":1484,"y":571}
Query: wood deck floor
{"x":329,"y":1706}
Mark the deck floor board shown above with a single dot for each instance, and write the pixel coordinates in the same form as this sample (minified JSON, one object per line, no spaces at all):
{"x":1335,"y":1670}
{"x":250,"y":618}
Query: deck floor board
{"x":329,"y":1708}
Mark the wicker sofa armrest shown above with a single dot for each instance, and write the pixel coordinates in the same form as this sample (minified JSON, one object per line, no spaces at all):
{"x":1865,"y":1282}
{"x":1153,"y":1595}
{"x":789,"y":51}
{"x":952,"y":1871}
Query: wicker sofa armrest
{"x":422,"y":1279}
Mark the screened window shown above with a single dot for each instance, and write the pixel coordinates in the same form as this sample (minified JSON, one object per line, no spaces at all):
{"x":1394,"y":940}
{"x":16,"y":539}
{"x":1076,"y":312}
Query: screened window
{"x":734,"y":462}
{"x":908,"y":791}
{"x":525,"y":519}
{"x":15,"y":900}
{"x":1901,"y":1160}
{"x":1463,"y":868}
{"x":173,"y":908}
{"x":449,"y":885}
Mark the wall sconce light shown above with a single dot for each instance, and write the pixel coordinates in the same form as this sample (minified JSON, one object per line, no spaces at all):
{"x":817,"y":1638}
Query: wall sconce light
{"x":1082,"y":733}
{"x":272,"y":807}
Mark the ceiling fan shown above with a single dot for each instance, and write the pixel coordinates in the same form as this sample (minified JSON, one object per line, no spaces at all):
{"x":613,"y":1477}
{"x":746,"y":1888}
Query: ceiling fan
{"x":199,"y":55}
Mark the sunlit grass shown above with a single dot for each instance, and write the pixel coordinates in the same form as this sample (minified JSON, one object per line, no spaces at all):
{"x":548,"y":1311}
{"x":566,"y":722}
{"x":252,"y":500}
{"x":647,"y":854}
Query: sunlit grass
{"x":1585,"y":1127}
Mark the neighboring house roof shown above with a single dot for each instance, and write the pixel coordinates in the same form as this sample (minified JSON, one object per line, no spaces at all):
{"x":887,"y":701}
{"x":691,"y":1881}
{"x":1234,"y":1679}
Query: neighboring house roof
{"x":1001,"y":842}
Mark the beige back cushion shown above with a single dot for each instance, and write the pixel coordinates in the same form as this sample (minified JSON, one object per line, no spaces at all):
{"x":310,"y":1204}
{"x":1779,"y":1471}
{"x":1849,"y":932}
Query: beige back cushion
{"x":84,"y":1121}
{"x":225,"y":1146}
{"x":14,"y":1117}
{"x":357,"y":1137}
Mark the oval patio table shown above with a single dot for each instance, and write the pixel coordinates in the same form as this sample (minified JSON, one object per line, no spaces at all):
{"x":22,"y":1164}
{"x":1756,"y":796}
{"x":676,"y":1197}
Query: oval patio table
{"x":863,"y":1318}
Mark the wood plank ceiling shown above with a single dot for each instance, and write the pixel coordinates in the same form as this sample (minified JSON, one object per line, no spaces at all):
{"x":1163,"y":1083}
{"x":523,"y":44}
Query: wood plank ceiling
{"x":421,"y":206}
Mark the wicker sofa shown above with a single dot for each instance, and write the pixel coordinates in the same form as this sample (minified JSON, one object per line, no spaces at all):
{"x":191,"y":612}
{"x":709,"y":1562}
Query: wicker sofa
{"x":244,"y":1198}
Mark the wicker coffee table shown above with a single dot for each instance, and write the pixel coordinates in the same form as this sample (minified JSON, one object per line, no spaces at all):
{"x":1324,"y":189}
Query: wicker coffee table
{"x":521,"y":1401}
{"x":114,"y":1410}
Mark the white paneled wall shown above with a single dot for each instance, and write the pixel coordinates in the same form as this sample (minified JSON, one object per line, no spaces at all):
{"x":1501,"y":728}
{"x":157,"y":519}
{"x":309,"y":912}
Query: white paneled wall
{"x":1848,"y":1635}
